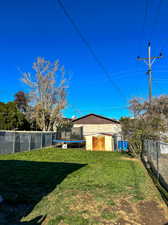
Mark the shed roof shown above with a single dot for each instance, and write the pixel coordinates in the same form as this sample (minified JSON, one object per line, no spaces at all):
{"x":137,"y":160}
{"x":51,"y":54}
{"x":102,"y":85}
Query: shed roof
{"x":94,"y":119}
{"x":102,"y":134}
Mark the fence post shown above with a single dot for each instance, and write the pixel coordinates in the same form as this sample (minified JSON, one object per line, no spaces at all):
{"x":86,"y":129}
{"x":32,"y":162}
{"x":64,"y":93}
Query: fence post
{"x":147,"y":153}
{"x":150,"y":150}
{"x":29,"y":137}
{"x":14,"y":141}
{"x":41,"y":139}
{"x":147,"y":149}
{"x":51,"y":138}
{"x":158,"y":153}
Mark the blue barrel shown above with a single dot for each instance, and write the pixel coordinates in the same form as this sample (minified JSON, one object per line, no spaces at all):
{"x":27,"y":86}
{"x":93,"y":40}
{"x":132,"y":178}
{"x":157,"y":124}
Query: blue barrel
{"x":123,"y":145}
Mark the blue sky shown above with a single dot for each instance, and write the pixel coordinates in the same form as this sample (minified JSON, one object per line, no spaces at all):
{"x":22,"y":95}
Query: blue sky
{"x":116,"y":30}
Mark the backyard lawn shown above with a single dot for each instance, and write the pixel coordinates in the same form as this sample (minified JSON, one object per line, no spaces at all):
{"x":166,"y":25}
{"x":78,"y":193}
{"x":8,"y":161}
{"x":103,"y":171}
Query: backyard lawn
{"x":75,"y":187}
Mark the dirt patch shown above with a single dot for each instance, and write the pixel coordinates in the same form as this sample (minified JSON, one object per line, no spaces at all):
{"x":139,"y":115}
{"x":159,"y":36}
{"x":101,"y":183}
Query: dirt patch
{"x":122,"y":221}
{"x":126,"y":206}
{"x":93,"y":209}
{"x":127,"y":213}
{"x":132,"y":159}
{"x":150,"y":213}
{"x":141,"y":213}
{"x":86,"y":205}
{"x":120,"y":211}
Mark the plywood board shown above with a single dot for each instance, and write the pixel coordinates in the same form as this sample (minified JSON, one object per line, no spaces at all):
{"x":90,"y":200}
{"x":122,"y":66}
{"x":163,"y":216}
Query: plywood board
{"x":98,"y":143}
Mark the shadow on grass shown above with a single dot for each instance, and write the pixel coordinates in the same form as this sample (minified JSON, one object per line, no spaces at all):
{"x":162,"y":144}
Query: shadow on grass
{"x":24,"y":183}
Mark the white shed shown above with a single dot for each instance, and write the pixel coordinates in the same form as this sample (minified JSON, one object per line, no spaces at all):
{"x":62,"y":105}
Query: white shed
{"x":93,"y":123}
{"x":99,"y":142}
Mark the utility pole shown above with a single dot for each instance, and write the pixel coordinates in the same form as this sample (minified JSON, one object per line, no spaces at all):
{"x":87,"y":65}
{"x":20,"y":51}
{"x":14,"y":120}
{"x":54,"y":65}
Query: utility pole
{"x":149,"y":62}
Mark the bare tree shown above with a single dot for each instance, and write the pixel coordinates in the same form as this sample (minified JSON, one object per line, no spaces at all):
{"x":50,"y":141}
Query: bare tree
{"x":48,"y":87}
{"x":150,"y":122}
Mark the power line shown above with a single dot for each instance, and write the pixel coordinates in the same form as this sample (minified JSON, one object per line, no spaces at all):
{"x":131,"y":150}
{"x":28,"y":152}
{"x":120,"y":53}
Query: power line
{"x":102,"y":109}
{"x":119,"y":75}
{"x":80,"y":111}
{"x":144,"y":23}
{"x":145,"y":15}
{"x":126,"y":73}
{"x":97,"y":107}
{"x":156,"y":18}
{"x":163,"y":41}
{"x":87,"y":44}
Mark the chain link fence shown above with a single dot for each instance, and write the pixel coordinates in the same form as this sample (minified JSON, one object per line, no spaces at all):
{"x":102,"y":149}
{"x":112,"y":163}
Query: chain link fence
{"x":20,"y":141}
{"x":155,"y":156}
{"x":71,"y":133}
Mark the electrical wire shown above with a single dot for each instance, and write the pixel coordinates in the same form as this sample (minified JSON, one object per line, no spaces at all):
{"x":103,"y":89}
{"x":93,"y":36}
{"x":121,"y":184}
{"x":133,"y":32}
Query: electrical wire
{"x":92,"y":52}
{"x":119,"y":75}
{"x":80,"y":112}
{"x":143,"y":25}
{"x":145,"y":15}
{"x":156,"y":19}
{"x":126,"y":73}
{"x":107,"y":109}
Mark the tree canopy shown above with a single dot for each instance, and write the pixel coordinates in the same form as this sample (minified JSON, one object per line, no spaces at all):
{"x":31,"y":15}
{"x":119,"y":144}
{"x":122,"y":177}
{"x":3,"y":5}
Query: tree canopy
{"x":11,"y":118}
{"x":47,"y":94}
{"x":21,"y":100}
{"x":150,"y":122}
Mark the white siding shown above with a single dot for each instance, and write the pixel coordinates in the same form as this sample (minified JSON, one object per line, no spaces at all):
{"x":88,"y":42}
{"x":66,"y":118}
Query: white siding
{"x":88,"y":142}
{"x":109,"y":143}
{"x":89,"y":129}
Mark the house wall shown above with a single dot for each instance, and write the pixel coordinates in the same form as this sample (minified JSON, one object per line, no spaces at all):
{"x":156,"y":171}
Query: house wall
{"x":89,"y":129}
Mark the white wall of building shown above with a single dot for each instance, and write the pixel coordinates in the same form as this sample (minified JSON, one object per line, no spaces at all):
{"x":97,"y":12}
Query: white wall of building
{"x":89,"y":129}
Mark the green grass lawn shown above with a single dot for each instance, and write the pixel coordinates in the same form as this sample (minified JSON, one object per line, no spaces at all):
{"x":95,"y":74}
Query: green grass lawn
{"x":74,"y":187}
